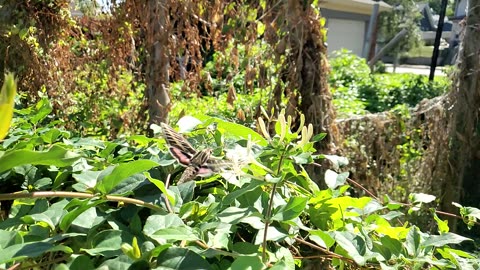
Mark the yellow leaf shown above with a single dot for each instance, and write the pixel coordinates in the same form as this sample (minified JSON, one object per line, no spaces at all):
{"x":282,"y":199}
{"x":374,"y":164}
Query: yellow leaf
{"x":7,"y":96}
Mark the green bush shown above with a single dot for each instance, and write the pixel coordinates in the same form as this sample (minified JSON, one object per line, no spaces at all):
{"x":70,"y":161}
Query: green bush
{"x":347,"y":68}
{"x":85,"y":203}
{"x":356,"y":90}
{"x":394,"y":89}
{"x":102,"y":103}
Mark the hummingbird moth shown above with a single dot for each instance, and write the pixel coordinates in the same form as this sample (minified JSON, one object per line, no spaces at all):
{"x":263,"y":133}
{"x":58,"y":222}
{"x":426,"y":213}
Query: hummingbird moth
{"x":197,"y":163}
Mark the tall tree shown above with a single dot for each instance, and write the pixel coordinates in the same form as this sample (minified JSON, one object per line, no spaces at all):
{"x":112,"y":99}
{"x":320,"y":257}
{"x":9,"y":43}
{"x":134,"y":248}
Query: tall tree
{"x":305,"y":67}
{"x":154,"y":17}
{"x":462,"y":104}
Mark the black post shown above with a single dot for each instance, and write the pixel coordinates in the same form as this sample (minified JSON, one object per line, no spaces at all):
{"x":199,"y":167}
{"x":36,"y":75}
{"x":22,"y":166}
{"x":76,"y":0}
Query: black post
{"x":438,"y":36}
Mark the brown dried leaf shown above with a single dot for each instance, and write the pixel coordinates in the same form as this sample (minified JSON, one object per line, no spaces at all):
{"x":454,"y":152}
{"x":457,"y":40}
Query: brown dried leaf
{"x":241,"y":115}
{"x":232,"y":95}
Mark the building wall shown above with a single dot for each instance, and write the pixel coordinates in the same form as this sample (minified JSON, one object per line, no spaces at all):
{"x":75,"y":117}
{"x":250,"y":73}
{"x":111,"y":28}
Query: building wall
{"x":345,"y":30}
{"x":460,"y":9}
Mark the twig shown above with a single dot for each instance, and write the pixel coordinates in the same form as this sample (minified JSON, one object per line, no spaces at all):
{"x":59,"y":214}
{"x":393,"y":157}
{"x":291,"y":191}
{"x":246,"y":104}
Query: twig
{"x":363,"y":188}
{"x":269,"y":209}
{"x":167,"y":202}
{"x":68,"y":194}
{"x":324,"y":250}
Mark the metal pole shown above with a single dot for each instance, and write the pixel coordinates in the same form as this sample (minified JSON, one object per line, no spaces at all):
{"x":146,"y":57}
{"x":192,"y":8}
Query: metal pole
{"x":387,"y":47}
{"x":371,"y":24}
{"x":438,"y":36}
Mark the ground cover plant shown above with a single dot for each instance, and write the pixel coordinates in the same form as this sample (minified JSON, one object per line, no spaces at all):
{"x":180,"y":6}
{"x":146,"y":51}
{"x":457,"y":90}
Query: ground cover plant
{"x":85,"y":203}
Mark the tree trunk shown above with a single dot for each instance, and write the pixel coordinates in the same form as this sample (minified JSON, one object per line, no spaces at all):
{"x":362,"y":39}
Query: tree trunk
{"x":464,"y":101}
{"x":308,"y":56}
{"x":157,"y":76}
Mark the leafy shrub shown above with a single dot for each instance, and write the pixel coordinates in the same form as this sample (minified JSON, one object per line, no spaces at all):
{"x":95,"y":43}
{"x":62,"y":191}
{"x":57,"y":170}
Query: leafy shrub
{"x":84,"y":203}
{"x":103,"y":104}
{"x":348,"y":68}
{"x":242,"y":110}
{"x":389,"y":90}
{"x":356,"y":90}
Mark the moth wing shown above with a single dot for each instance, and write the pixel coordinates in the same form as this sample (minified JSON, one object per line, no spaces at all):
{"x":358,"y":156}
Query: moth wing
{"x":216,"y":164}
{"x":182,"y":157}
{"x":204,"y":171}
{"x":176,"y":140}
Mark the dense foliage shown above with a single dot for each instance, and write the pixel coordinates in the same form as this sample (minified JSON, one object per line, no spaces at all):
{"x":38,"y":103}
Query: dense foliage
{"x":357,"y":91}
{"x":83,"y":203}
{"x":80,"y":189}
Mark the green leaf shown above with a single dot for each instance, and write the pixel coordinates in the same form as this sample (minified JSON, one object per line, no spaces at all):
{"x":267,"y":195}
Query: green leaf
{"x":23,"y":33}
{"x":285,"y":259}
{"x":157,"y":222}
{"x":333,"y":179}
{"x":234,"y":130}
{"x":227,"y":200}
{"x":43,"y":108}
{"x":319,"y":137}
{"x":159,"y":249}
{"x":234,"y":215}
{"x":302,"y":158}
{"x":442,"y":225}
{"x":108,"y":243}
{"x":353,"y":244}
{"x":248,"y":262}
{"x":86,"y":180}
{"x":294,"y":207}
{"x":72,"y":215}
{"x":421,"y":198}
{"x":81,"y":262}
{"x":273,"y":234}
{"x":393,"y":245}
{"x":260,"y":28}
{"x":56,"y":156}
{"x":7,"y":96}
{"x":413,"y":240}
{"x":128,"y":185}
{"x":322,"y":238}
{"x":122,"y":262}
{"x":123,"y":171}
{"x":281,"y":265}
{"x":183,"y":233}
{"x":8,"y":238}
{"x":160,"y":185}
{"x":458,"y":252}
{"x":337,"y":161}
{"x":444,"y":239}
{"x":181,"y":259}
{"x":51,"y":135}
{"x":23,"y":251}
{"x":35,"y":218}
{"x":245,"y":248}
{"x":270,"y":179}
{"x":472,"y":212}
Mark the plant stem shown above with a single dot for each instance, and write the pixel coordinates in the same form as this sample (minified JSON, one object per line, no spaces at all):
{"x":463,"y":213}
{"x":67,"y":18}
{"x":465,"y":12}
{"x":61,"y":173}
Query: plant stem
{"x":68,"y":194}
{"x":267,"y":223}
{"x":324,"y":250}
{"x":269,"y":209}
